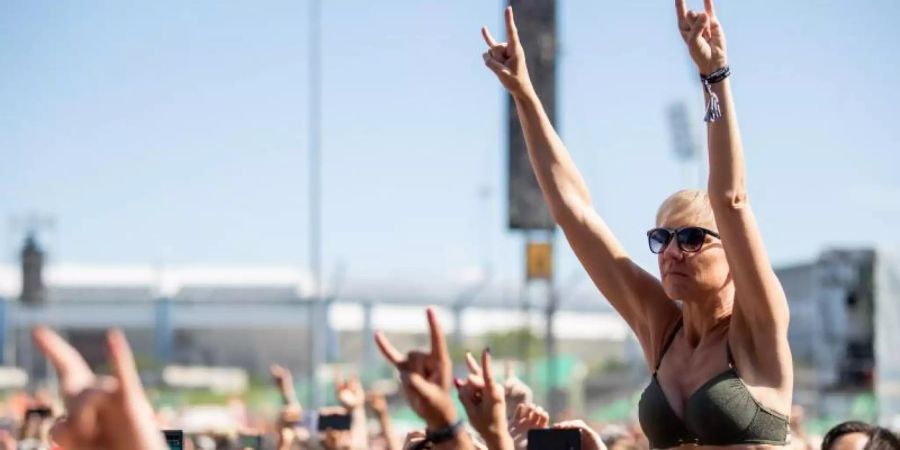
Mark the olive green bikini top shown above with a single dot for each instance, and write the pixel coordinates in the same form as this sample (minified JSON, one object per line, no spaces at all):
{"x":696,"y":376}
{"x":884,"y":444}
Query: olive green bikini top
{"x":721,"y":412}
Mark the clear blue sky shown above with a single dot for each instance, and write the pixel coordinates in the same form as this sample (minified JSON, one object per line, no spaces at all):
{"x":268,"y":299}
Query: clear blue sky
{"x":178,"y":130}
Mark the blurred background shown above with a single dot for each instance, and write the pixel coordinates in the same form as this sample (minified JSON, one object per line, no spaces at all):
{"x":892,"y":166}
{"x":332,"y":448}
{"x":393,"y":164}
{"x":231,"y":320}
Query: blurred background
{"x":239,"y":184}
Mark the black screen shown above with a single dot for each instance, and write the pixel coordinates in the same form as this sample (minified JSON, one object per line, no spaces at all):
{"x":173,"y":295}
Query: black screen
{"x":175,"y":439}
{"x":554,"y":439}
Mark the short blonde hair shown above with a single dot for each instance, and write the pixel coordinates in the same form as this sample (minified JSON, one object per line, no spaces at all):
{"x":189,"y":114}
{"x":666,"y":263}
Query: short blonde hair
{"x":690,"y":204}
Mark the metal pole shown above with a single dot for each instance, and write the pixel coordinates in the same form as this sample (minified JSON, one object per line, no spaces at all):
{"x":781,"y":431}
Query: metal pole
{"x":553,"y":405}
{"x":315,"y":197}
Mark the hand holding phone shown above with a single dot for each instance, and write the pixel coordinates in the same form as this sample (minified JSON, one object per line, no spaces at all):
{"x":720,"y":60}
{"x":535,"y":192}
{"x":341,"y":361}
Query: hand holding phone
{"x":174,"y":439}
{"x":338,"y":422}
{"x":250,"y":441}
{"x":554,"y":439}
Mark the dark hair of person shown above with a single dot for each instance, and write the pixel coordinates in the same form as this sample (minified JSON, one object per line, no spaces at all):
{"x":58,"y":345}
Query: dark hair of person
{"x":883,"y":439}
{"x":850,"y":426}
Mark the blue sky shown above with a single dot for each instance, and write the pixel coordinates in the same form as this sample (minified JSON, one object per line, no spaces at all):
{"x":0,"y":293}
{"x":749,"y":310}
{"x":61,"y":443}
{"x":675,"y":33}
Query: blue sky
{"x":177,"y":131}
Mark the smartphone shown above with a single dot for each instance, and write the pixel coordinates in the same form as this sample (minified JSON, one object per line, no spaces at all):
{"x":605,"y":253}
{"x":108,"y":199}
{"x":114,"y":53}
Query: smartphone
{"x":42,"y":412}
{"x":251,"y":441}
{"x":554,"y":439}
{"x":175,"y":439}
{"x":334,"y":422}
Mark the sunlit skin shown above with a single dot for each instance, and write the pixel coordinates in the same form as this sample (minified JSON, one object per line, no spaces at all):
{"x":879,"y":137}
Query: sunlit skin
{"x":724,"y":296}
{"x":695,"y":277}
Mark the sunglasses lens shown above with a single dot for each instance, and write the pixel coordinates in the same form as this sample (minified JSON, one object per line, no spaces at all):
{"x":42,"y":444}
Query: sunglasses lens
{"x":691,"y":239}
{"x":658,"y":239}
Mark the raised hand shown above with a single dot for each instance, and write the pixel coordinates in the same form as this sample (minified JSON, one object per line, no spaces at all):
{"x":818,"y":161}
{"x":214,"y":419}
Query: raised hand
{"x":507,"y":59}
{"x":590,"y":440}
{"x":349,"y":392}
{"x":484,"y":401}
{"x":285,"y":382}
{"x":102,"y":412}
{"x":377,"y":402}
{"x":425,"y":376}
{"x":703,"y":35}
{"x":528,"y":416}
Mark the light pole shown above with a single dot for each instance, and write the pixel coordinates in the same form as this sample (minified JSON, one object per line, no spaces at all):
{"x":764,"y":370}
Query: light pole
{"x":316,"y":313}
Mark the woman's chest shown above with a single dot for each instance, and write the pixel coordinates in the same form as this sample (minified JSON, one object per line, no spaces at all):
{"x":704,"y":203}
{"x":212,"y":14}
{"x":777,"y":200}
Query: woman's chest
{"x":685,"y":370}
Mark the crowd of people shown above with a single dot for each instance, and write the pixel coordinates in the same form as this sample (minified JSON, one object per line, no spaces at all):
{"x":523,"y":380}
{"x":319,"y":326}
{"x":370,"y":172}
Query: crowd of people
{"x":113,"y":413}
{"x":713,"y":326}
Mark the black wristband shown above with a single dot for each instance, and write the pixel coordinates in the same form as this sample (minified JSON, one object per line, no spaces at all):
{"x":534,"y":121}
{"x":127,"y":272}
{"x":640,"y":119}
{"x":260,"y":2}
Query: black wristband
{"x":716,"y":76}
{"x":444,"y":434}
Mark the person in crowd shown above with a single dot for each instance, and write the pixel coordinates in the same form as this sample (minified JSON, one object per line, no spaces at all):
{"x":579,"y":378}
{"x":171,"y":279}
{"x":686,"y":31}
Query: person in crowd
{"x":378,"y":404}
{"x":883,"y":439}
{"x":289,"y":433}
{"x":351,"y":395}
{"x":516,"y":391}
{"x":527,"y":416}
{"x":800,"y":439}
{"x":426,"y":379}
{"x":108,"y":412}
{"x":856,"y":435}
{"x":713,"y":328}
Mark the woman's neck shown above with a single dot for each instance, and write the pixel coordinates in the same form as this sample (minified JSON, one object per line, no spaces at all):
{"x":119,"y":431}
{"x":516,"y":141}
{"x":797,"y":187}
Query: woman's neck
{"x":704,"y":316}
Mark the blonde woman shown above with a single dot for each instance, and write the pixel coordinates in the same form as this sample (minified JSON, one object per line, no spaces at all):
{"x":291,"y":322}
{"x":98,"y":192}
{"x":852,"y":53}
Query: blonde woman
{"x":713,"y":326}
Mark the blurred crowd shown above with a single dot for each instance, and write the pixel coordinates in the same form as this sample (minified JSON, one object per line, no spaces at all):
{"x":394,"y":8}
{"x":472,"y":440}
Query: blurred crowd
{"x":112,"y":412}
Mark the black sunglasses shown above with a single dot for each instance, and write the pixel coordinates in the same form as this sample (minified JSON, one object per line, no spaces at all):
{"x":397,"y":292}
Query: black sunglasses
{"x":690,"y":239}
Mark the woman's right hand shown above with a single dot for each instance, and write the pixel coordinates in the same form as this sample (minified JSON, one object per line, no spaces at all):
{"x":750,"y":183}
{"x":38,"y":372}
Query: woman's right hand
{"x":507,"y":59}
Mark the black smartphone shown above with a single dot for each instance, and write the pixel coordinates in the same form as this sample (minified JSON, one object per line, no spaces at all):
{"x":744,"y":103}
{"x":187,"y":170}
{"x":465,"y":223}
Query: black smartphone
{"x":251,"y":441}
{"x":175,"y":439}
{"x":42,"y":412}
{"x":554,"y":439}
{"x":334,"y":422}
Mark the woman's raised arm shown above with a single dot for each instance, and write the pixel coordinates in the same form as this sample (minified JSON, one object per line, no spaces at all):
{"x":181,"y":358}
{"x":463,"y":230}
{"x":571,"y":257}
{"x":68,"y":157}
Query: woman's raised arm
{"x":636,"y":295}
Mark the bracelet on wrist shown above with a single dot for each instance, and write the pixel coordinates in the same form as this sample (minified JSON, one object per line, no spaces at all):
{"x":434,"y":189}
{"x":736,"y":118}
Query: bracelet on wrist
{"x":442,"y":435}
{"x":713,"y":109}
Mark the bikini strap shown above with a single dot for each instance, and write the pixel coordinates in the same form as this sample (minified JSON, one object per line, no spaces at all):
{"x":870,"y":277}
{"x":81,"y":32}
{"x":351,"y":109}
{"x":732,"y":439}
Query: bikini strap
{"x":668,"y":344}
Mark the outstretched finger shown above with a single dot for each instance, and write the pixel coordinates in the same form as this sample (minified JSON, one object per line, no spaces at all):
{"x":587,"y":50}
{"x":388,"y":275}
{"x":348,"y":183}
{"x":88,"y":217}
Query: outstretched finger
{"x":512,"y":33}
{"x":472,"y":364}
{"x":438,"y":345}
{"x":681,"y":11}
{"x":488,"y":39}
{"x":710,"y":9}
{"x":122,"y":360}
{"x":387,"y":349}
{"x":487,"y":370}
{"x":74,"y":373}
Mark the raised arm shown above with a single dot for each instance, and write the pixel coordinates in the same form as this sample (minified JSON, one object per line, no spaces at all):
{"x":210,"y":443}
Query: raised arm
{"x":426,"y":379}
{"x":379,"y":405}
{"x":760,"y":317}
{"x":636,"y":295}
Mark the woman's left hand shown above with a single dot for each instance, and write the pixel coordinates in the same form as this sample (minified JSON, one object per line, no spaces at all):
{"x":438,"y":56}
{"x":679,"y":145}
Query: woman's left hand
{"x":703,"y":35}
